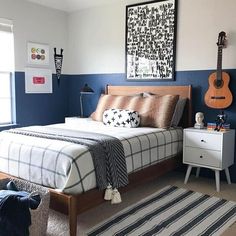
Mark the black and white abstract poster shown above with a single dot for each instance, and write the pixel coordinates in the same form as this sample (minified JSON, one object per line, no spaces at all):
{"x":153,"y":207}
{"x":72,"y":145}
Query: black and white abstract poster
{"x":150,"y":40}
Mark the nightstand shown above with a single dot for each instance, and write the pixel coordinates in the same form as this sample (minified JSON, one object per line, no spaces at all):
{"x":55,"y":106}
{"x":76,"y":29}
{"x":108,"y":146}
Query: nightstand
{"x":208,"y":149}
{"x":70,"y":118}
{"x":73,"y":120}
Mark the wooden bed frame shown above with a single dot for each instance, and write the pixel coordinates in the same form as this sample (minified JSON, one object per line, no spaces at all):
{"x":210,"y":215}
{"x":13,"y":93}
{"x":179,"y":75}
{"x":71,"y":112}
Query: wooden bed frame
{"x":72,"y":205}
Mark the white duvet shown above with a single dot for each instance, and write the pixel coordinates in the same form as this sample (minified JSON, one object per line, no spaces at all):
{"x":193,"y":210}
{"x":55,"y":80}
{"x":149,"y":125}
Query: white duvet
{"x":68,"y":167}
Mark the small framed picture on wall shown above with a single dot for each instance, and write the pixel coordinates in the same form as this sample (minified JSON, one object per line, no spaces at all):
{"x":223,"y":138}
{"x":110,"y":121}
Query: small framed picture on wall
{"x":38,"y":80}
{"x":38,"y":54}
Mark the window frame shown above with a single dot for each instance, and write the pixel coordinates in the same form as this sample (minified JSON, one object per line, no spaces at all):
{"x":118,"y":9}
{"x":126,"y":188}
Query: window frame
{"x":7,"y":26}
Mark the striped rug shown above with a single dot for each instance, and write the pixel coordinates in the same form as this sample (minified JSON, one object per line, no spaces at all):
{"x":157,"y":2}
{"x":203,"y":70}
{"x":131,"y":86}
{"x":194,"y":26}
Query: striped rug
{"x":171,"y":211}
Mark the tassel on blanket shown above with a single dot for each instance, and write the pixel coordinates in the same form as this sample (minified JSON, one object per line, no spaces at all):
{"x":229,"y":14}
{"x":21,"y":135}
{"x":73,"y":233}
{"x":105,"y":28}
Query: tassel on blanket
{"x":116,"y":198}
{"x":108,"y":193}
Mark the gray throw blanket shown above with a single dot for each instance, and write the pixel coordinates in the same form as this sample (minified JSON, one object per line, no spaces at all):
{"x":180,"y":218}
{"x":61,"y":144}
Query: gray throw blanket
{"x":107,"y":152}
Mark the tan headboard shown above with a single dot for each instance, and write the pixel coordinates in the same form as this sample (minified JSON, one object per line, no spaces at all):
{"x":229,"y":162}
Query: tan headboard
{"x":182,"y":91}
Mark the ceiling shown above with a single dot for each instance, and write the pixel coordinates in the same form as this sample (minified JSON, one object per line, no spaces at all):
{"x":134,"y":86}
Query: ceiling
{"x":73,"y":5}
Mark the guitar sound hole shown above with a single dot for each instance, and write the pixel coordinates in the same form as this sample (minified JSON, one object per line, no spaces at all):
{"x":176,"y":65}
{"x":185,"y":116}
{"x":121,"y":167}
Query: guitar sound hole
{"x":218,"y":83}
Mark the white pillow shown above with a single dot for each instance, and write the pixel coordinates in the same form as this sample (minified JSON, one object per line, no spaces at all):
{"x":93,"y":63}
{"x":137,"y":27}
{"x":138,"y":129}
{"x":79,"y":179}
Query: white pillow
{"x":121,"y":118}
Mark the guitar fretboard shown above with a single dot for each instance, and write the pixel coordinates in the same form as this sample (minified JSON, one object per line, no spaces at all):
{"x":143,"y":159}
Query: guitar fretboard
{"x":219,"y":64}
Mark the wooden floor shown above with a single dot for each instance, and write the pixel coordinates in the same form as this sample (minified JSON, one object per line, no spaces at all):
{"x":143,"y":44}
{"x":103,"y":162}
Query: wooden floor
{"x":58,"y":222}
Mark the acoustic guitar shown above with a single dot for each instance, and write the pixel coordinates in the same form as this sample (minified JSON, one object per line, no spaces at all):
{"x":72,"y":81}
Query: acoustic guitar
{"x":218,"y":94}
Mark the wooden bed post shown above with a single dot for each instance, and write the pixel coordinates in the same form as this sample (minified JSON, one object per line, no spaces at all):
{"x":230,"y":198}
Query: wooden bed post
{"x":72,"y":214}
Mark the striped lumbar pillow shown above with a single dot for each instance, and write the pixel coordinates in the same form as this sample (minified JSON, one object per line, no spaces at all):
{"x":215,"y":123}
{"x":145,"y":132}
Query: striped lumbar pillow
{"x":112,"y":101}
{"x":154,"y":111}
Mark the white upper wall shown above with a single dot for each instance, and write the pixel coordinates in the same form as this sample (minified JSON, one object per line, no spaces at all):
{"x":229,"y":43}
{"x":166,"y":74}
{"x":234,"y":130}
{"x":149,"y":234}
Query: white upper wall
{"x":94,"y":39}
{"x":96,"y":36}
{"x":199,"y":23}
{"x":36,"y":24}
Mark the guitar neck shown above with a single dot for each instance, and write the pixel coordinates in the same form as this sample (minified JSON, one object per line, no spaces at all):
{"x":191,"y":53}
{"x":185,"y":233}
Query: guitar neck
{"x":219,"y":64}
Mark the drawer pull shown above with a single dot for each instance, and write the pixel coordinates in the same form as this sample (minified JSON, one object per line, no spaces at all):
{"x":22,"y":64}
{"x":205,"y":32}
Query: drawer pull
{"x":203,"y":141}
{"x":201,"y":156}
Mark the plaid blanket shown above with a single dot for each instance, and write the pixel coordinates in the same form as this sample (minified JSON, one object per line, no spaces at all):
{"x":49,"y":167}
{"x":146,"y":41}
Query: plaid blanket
{"x":69,"y":167}
{"x":107,"y":152}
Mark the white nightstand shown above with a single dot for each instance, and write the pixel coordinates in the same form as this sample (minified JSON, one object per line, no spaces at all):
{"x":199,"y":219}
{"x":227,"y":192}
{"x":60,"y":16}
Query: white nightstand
{"x":73,"y":120}
{"x":209,"y":149}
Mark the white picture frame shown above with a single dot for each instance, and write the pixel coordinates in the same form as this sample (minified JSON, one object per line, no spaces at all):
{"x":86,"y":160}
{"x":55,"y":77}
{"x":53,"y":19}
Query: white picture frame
{"x":38,"y":80}
{"x":37,"y":54}
{"x":150,"y":45}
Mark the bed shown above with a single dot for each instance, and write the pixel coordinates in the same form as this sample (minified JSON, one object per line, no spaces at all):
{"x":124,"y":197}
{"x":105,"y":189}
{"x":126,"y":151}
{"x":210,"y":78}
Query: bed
{"x":78,"y":193}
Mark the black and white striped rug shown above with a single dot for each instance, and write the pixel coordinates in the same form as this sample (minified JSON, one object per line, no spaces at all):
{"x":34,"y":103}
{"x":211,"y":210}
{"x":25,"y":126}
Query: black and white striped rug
{"x":171,"y":211}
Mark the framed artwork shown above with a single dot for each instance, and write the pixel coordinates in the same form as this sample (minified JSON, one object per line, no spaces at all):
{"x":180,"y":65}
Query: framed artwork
{"x":151,"y":40}
{"x":38,"y":80}
{"x":38,"y":54}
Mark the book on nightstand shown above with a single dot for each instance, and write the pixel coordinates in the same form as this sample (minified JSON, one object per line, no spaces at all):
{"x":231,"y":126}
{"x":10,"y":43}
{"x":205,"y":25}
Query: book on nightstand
{"x":213,"y":126}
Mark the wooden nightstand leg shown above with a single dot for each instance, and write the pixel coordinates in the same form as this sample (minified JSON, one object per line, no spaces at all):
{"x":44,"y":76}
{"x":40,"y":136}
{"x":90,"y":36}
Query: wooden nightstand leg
{"x":198,"y":172}
{"x":187,"y":174}
{"x":227,"y":175}
{"x":217,"y":176}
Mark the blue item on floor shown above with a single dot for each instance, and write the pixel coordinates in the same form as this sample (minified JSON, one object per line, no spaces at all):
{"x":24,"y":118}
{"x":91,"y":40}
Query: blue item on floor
{"x":15,"y":217}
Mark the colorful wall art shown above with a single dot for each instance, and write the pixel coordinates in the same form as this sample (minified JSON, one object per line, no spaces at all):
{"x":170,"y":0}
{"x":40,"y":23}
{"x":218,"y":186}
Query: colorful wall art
{"x":38,"y":54}
{"x":38,"y":80}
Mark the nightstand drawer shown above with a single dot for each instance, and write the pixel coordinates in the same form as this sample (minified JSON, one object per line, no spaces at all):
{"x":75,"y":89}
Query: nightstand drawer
{"x":203,"y":140}
{"x":202,"y":157}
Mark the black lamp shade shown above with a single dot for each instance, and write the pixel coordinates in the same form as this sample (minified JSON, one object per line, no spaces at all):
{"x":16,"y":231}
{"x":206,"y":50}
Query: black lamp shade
{"x":86,"y":89}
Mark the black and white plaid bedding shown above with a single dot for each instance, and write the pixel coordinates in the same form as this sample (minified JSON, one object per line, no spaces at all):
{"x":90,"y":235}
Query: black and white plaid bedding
{"x":69,"y":167}
{"x":107,"y":152}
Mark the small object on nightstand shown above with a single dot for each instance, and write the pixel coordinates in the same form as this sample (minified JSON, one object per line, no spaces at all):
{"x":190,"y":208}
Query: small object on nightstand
{"x":213,"y":125}
{"x":209,"y":149}
{"x":199,"y":117}
{"x":220,"y":120}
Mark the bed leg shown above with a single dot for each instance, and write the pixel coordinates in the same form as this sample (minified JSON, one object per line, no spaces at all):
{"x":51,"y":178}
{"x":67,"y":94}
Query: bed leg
{"x":72,"y":213}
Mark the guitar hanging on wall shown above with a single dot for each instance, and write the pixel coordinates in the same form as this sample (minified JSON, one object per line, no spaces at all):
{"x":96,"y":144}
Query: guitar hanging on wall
{"x":218,"y":94}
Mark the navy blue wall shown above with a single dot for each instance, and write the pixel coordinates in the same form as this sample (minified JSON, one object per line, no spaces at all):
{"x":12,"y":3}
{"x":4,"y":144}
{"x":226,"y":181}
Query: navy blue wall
{"x":198,"y":80}
{"x":64,"y":101}
{"x":42,"y":109}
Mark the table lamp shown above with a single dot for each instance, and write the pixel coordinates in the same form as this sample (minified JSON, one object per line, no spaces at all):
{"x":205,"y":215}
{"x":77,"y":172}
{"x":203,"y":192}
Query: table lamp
{"x":85,"y":90}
